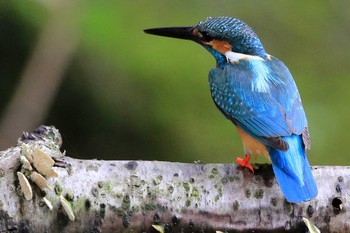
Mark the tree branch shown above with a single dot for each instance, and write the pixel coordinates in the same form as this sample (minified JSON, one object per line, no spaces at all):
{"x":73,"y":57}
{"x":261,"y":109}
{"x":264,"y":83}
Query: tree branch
{"x":130,"y":196}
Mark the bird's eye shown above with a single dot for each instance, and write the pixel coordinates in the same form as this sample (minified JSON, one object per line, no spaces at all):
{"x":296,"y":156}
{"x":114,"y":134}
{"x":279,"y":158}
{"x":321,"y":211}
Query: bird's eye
{"x":204,"y":36}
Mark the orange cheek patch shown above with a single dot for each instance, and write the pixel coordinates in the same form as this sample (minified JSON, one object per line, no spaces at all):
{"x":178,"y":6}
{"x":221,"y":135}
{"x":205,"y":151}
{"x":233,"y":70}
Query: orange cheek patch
{"x":220,"y":46}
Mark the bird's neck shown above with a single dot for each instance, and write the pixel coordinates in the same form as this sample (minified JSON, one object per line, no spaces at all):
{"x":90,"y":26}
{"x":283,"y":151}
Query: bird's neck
{"x":259,"y":71}
{"x":234,"y":57}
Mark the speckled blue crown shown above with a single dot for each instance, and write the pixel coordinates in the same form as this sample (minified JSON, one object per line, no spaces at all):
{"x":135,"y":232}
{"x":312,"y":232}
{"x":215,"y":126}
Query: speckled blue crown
{"x":237,"y":33}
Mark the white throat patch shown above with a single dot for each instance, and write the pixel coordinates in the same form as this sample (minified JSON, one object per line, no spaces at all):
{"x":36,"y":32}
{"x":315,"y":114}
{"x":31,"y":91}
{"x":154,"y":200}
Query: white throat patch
{"x":235,"y":57}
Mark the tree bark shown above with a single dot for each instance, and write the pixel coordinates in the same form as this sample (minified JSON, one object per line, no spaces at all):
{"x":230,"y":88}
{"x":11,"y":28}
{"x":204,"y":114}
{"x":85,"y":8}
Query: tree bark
{"x":131,"y":196}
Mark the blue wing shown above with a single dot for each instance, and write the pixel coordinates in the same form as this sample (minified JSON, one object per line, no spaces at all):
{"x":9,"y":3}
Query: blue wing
{"x":261,"y":98}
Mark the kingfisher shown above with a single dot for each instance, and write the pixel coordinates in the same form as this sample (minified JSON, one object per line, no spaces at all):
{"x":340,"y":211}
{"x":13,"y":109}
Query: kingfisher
{"x":257,"y":93}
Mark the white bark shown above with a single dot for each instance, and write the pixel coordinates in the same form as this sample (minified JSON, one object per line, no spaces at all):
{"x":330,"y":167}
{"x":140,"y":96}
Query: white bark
{"x":130,"y":196}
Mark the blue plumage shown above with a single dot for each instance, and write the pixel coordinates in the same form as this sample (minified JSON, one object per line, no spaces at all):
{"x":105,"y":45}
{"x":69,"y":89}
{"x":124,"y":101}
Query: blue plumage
{"x":258,"y":94}
{"x":235,"y":32}
{"x":292,"y":170}
{"x":273,"y":110}
{"x":260,"y":97}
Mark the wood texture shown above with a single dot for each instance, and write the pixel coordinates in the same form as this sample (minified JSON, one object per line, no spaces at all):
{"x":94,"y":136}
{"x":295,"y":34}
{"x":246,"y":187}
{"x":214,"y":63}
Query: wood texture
{"x":130,"y":196}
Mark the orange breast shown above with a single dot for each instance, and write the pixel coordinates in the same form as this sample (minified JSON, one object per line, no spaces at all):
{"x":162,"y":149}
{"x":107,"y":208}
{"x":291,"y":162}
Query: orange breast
{"x":252,"y":146}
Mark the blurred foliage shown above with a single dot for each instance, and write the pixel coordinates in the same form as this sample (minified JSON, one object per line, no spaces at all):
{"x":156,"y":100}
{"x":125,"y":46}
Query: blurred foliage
{"x":128,"y":95}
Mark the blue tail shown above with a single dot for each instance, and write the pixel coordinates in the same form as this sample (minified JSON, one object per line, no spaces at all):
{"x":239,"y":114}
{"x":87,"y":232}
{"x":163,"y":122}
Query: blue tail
{"x":293,"y":172}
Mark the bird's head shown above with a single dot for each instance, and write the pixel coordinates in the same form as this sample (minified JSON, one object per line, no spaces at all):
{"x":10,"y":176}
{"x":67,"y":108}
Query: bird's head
{"x":226,"y":38}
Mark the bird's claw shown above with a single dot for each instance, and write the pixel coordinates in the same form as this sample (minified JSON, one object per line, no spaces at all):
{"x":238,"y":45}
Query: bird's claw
{"x":245,"y":162}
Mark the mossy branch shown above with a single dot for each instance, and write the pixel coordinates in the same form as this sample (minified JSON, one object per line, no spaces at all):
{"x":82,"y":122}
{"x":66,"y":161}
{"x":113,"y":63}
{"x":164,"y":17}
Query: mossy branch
{"x":131,"y":196}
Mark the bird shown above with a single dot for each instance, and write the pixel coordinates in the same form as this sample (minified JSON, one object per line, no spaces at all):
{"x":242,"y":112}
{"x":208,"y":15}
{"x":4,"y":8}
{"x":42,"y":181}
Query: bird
{"x":257,"y":93}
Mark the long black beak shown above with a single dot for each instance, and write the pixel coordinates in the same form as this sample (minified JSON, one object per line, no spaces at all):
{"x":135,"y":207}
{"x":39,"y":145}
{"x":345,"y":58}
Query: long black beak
{"x":175,"y":32}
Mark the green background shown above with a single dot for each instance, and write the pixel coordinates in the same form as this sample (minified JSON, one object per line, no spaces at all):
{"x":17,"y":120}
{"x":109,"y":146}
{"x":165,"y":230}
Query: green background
{"x":128,"y":95}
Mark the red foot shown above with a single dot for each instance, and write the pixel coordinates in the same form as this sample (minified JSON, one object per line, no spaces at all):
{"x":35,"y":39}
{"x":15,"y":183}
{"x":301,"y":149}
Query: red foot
{"x":245,"y":162}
